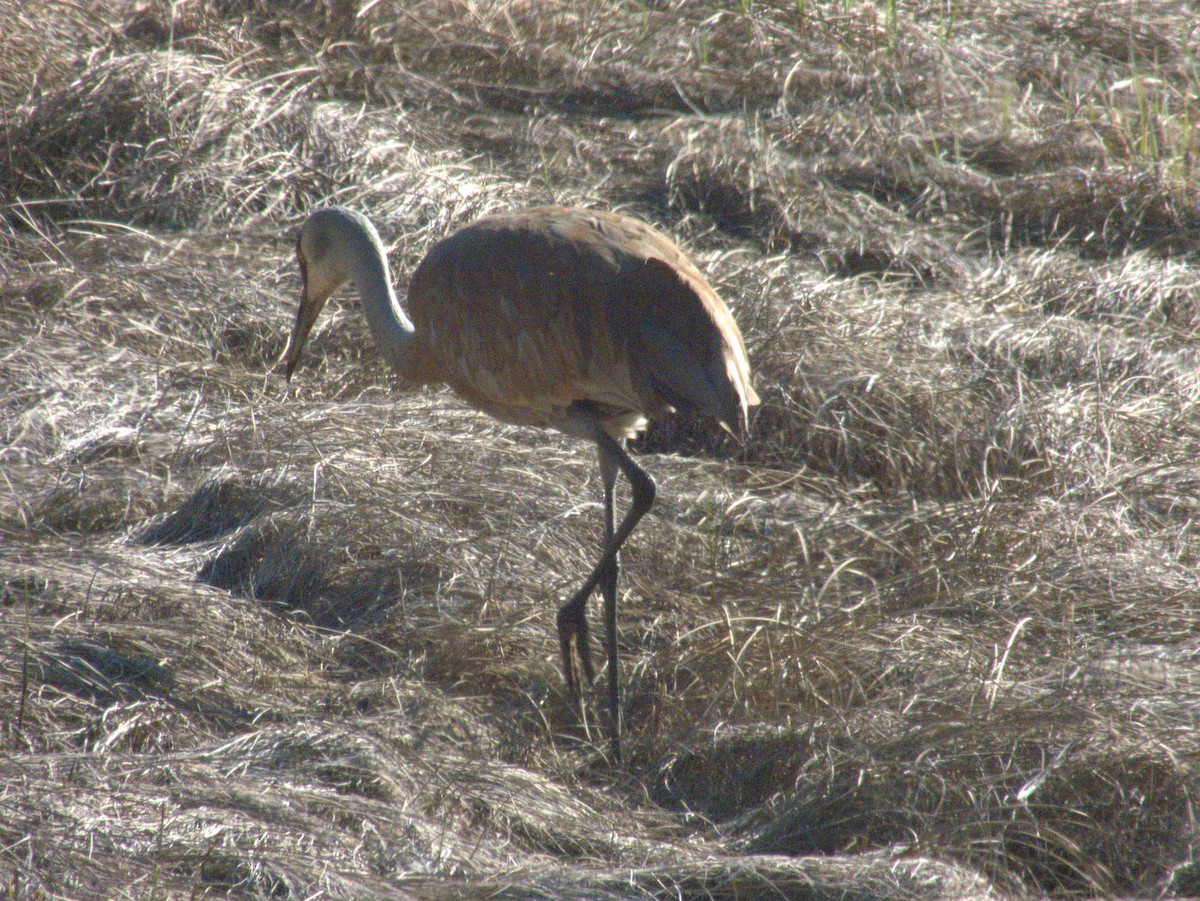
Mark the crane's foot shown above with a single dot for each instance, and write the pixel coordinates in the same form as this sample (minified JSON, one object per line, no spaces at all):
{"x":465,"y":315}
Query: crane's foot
{"x":573,"y":640}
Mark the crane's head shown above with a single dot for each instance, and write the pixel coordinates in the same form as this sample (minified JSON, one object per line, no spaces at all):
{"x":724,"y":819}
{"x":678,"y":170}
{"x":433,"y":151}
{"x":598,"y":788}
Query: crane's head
{"x":324,"y":267}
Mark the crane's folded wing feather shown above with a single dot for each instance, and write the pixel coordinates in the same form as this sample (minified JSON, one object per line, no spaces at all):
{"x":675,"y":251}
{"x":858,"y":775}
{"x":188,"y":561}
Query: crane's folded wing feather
{"x":533,"y":312}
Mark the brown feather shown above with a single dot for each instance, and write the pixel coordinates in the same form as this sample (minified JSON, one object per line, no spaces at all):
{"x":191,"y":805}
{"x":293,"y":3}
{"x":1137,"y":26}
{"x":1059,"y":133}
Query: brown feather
{"x":526,"y":313}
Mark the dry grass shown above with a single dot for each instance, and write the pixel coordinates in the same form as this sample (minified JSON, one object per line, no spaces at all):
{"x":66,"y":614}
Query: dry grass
{"x":931,"y":632}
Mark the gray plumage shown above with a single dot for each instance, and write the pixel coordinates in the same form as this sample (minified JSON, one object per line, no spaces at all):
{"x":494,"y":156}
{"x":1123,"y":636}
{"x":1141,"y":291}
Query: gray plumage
{"x":579,"y":320}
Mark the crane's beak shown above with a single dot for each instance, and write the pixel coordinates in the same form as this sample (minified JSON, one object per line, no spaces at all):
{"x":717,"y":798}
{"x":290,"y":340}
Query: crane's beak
{"x":311,"y":303}
{"x":305,"y":318}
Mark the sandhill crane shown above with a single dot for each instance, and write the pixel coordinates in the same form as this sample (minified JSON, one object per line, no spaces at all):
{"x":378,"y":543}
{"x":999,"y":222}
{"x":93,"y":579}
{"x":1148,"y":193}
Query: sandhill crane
{"x":583,"y":321}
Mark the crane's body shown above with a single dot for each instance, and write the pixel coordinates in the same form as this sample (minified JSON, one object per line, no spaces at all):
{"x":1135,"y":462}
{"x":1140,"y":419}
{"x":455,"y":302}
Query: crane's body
{"x":579,"y":320}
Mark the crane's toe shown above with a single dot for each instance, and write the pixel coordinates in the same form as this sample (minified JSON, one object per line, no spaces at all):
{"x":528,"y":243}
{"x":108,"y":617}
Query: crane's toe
{"x":573,"y":638}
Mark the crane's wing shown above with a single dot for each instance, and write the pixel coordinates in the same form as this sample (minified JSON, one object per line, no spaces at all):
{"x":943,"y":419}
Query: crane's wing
{"x":529,"y":313}
{"x":516,"y":314}
{"x":686,"y":343}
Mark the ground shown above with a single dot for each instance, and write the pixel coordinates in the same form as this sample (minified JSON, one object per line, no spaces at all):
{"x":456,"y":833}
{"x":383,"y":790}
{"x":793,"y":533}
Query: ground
{"x":930,"y":630}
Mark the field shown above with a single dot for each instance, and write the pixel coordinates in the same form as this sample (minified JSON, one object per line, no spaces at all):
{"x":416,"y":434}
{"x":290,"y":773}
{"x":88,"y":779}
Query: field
{"x":932,"y":630}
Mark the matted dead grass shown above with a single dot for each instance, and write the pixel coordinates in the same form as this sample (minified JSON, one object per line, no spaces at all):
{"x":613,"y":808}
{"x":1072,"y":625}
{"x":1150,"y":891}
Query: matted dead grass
{"x":929,"y":632}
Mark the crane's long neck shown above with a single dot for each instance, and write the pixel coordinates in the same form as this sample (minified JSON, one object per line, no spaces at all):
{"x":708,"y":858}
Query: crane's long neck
{"x":391,"y":328}
{"x":337,"y":245}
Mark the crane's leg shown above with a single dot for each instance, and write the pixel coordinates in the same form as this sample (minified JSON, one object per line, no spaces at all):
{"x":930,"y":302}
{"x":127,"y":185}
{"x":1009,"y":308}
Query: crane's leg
{"x":608,"y":589}
{"x":572,"y":620}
